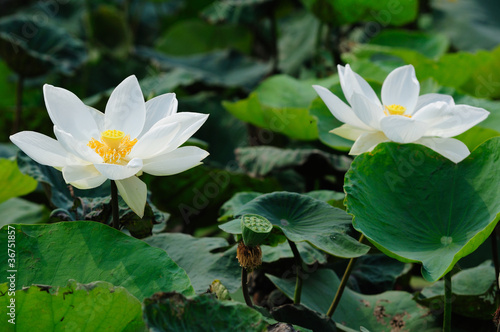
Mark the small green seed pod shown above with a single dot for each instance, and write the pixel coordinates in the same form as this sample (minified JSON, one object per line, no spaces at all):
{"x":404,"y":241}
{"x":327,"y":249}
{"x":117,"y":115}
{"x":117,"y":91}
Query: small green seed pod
{"x":255,"y":229}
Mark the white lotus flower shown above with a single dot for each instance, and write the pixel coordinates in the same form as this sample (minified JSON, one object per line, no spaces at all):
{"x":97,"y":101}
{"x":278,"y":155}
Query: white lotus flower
{"x":131,"y":137}
{"x":402,"y":117}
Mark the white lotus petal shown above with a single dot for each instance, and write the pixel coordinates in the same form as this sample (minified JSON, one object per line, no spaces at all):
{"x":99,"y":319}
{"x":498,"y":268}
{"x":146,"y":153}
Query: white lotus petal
{"x":401,"y":87}
{"x":134,"y":192}
{"x":175,"y":162}
{"x":76,"y":147}
{"x":431,"y":98}
{"x":155,"y":141}
{"x":349,"y":132}
{"x":126,"y":110}
{"x":368,"y":112}
{"x":98,"y":118}
{"x":120,"y":172}
{"x":450,"y":148}
{"x":432,"y":113}
{"x":189,"y":124}
{"x":42,"y":149}
{"x":69,"y":113}
{"x":159,"y":108}
{"x":352,"y":83}
{"x":457,"y":120}
{"x":401,"y":129}
{"x":83,"y":176}
{"x":367,"y":142}
{"x":338,"y":108}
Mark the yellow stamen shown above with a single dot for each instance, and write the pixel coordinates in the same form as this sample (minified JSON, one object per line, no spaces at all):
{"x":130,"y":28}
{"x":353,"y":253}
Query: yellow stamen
{"x":113,"y":147}
{"x":396,"y":110}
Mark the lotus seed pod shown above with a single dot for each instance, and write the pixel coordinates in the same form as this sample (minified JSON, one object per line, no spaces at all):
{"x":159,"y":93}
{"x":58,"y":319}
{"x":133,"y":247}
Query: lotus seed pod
{"x":255,"y":229}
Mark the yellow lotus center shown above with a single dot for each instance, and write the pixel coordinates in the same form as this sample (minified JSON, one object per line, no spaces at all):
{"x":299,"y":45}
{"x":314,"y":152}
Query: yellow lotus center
{"x":396,"y":110}
{"x":113,"y":147}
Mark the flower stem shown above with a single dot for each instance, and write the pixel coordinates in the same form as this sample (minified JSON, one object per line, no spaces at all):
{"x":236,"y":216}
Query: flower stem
{"x":114,"y":205}
{"x":447,"y":303}
{"x":343,"y":283}
{"x":298,"y":263}
{"x":244,"y":287}
{"x":19,"y":104}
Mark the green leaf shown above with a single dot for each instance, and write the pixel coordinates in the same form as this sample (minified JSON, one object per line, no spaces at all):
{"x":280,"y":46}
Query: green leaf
{"x":470,"y":24}
{"x":95,"y":306}
{"x":279,"y":104}
{"x":382,"y":313}
{"x":474,"y":74}
{"x":302,"y":218}
{"x":203,"y":38}
{"x":260,"y":161}
{"x":473,"y":292}
{"x":377,"y":273}
{"x":32,"y":49}
{"x":295,"y":45}
{"x":90,"y":251}
{"x":197,"y":257}
{"x":431,"y":45}
{"x":14,"y":183}
{"x":308,"y":253}
{"x":220,"y":68}
{"x":229,"y":208}
{"x":20,"y":211}
{"x":384,"y":12}
{"x":175,"y":312}
{"x":418,"y":206}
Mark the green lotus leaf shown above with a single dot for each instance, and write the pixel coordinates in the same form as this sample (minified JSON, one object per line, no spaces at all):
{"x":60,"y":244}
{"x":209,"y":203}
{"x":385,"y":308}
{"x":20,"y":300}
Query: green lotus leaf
{"x":303,"y":218}
{"x":418,"y":206}
{"x":98,"y":306}
{"x":87,"y":252}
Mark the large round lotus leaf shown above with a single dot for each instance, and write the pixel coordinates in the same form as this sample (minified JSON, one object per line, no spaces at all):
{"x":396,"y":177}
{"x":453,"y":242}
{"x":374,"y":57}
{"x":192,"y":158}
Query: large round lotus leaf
{"x":418,"y":206}
{"x":98,"y":306}
{"x":31,"y":49}
{"x":303,"y":218}
{"x":88,"y":251}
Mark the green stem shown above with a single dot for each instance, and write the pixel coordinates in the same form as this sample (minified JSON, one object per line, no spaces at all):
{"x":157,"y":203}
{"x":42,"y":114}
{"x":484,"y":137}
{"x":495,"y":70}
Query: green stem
{"x":114,"y":205}
{"x":447,"y":303}
{"x":244,"y":287}
{"x":298,"y":283}
{"x":19,"y":104}
{"x":343,"y":283}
